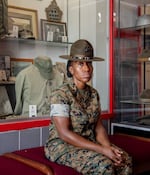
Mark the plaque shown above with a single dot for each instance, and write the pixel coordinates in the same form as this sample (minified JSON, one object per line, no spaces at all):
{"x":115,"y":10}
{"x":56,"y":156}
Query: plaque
{"x":53,"y":12}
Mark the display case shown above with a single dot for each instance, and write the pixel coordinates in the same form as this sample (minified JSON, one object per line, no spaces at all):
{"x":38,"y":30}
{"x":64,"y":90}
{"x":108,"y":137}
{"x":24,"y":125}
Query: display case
{"x":15,"y":48}
{"x":131,"y":64}
{"x":96,"y":30}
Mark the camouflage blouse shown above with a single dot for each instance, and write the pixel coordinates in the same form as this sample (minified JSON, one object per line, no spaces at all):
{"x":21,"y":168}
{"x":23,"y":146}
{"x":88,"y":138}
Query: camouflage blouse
{"x":82,"y":107}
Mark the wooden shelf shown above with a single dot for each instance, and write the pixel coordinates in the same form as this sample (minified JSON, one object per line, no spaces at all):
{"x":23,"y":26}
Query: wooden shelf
{"x":39,"y":42}
{"x":138,"y":101}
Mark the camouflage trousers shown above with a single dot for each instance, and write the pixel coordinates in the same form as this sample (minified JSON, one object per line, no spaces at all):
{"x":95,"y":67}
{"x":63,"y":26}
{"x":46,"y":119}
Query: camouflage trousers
{"x":91,"y":163}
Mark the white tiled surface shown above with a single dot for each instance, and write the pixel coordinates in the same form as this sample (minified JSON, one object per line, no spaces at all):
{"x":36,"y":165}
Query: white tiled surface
{"x":22,"y":139}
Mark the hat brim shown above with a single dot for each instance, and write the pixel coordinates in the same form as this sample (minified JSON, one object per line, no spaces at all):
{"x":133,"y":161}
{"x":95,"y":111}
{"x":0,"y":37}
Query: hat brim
{"x":68,"y":57}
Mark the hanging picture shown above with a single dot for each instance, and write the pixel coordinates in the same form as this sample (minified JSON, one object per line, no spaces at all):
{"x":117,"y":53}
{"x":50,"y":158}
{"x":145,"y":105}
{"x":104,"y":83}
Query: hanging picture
{"x":25,"y":19}
{"x":18,"y":64}
{"x":5,"y":67}
{"x":53,"y":31}
{"x":3,"y":17}
{"x":5,"y":105}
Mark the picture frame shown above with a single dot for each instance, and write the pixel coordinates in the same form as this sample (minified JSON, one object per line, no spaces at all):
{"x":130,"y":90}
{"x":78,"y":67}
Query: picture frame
{"x":3,"y":18}
{"x":5,"y":66}
{"x":5,"y":107}
{"x":23,"y":18}
{"x":18,"y":64}
{"x":3,"y":75}
{"x":53,"y":31}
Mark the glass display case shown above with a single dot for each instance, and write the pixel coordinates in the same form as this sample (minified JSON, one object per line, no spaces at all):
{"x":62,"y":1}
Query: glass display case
{"x":96,"y":29}
{"x":85,"y":19}
{"x":131,"y":64}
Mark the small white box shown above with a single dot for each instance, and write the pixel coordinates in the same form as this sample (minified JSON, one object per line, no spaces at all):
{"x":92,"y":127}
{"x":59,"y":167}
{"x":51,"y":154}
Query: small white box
{"x":15,"y":31}
{"x":64,"y":38}
{"x":32,"y":111}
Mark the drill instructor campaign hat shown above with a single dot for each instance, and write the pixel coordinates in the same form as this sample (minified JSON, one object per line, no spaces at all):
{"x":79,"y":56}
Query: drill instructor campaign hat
{"x":81,"y":50}
{"x":45,"y":66}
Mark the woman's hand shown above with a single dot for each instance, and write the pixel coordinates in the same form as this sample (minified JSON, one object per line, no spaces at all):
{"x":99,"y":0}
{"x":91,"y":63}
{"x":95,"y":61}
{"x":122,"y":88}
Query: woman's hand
{"x":114,"y":154}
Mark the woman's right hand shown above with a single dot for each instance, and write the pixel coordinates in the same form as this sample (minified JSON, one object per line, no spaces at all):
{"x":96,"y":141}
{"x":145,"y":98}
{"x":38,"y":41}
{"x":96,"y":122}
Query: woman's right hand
{"x":114,"y":154}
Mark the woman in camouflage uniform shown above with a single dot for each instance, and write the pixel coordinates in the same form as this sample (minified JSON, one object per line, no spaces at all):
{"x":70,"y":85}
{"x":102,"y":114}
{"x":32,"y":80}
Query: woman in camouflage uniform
{"x":77,"y":137}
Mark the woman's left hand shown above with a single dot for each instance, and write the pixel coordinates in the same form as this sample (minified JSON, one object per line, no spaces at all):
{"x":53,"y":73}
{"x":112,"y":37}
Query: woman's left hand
{"x":119,"y":155}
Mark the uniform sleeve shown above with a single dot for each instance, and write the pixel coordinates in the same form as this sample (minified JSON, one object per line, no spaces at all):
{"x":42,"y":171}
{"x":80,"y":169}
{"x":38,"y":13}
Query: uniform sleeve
{"x":59,"y":104}
{"x":18,"y":89}
{"x":59,"y":110}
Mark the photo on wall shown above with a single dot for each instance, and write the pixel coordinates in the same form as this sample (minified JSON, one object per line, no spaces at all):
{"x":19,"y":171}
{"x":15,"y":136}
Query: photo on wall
{"x":5,"y":66}
{"x":18,"y":64}
{"x":5,"y":105}
{"x":53,"y":31}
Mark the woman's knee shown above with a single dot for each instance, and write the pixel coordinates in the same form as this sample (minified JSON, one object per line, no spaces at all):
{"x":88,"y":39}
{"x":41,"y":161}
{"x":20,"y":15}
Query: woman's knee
{"x":107,"y":168}
{"x":104,"y":166}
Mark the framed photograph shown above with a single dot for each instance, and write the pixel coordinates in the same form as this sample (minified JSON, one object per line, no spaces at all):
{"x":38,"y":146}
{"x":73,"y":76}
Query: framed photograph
{"x":53,"y":31}
{"x":5,"y":107}
{"x":5,"y":65}
{"x":3,"y":17}
{"x":3,"y":75}
{"x":18,"y":64}
{"x":24,"y":19}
